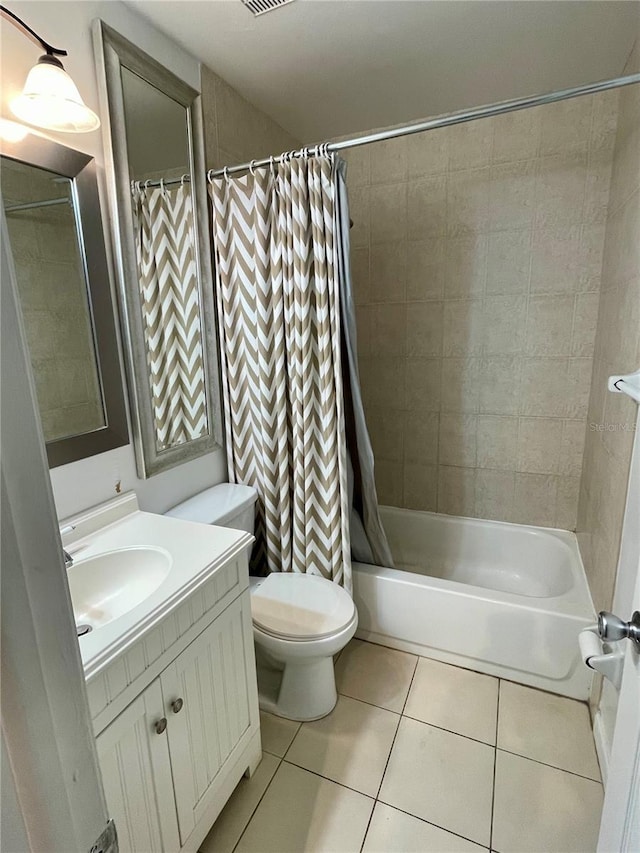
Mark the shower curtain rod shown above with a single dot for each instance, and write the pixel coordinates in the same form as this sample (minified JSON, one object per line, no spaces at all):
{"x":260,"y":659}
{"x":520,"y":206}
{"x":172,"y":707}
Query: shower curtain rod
{"x":445,"y":121}
{"x":32,"y":205}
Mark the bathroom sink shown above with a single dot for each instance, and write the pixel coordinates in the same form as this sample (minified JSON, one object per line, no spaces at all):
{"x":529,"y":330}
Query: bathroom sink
{"x":109,"y":585}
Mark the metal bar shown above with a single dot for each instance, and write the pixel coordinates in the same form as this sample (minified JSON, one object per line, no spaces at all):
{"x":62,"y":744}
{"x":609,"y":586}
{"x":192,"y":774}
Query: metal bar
{"x":164,"y":181}
{"x":460,"y":117}
{"x":14,"y":208}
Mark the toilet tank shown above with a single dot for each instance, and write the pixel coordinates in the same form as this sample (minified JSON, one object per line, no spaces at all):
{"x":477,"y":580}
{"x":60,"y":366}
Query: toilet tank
{"x":227,"y":505}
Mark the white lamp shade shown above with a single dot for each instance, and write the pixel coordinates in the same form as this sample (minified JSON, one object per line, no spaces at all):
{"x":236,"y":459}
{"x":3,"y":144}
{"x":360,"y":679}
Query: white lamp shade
{"x":50,"y":99}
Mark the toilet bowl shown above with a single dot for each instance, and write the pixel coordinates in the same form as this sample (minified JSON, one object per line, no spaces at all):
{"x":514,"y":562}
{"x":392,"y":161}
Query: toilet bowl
{"x":299,"y":621}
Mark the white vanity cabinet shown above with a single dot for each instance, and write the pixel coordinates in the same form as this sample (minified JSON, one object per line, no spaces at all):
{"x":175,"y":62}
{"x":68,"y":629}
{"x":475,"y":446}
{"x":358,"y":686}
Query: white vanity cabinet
{"x":175,"y":739}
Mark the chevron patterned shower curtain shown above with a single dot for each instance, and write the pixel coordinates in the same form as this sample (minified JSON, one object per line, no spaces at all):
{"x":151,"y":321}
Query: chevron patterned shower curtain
{"x":279,"y":318}
{"x":168,"y":281}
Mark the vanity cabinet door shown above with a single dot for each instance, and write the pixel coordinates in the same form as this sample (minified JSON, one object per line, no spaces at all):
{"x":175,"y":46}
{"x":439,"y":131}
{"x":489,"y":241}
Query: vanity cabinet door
{"x":211,"y":705}
{"x":136,"y":771}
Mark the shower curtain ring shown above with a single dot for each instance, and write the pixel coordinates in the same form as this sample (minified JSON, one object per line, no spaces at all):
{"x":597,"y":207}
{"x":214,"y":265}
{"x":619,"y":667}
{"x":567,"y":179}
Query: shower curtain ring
{"x":252,"y":167}
{"x":183,"y":179}
{"x":146,"y":184}
{"x":225,"y":172}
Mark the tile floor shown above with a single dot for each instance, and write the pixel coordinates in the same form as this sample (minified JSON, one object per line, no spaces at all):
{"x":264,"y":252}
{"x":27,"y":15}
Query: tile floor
{"x":420,"y":757}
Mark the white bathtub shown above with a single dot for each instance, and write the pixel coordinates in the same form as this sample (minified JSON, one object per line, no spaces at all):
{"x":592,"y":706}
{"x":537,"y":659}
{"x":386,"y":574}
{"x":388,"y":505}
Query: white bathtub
{"x":504,"y":599}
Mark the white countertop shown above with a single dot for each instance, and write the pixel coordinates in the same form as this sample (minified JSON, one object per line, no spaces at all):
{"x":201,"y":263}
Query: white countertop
{"x":196,"y":551}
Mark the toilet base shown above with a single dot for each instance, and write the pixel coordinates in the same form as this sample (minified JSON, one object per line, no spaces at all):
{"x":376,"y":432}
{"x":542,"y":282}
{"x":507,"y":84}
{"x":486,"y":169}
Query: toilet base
{"x":300,"y":692}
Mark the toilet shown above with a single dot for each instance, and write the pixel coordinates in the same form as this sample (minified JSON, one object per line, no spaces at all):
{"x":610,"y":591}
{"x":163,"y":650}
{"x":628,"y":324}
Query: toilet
{"x":299,"y":621}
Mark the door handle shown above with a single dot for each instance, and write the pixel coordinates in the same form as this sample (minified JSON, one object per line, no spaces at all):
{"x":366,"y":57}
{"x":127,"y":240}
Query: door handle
{"x":176,"y":706}
{"x":612,"y":628}
{"x":160,"y":725}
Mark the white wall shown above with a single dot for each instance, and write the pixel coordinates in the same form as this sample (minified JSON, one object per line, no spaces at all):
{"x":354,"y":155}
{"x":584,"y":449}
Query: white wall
{"x":68,"y":25}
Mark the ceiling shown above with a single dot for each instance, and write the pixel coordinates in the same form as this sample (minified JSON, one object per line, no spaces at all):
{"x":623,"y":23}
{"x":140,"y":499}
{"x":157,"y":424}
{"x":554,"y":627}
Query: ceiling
{"x":324,"y":68}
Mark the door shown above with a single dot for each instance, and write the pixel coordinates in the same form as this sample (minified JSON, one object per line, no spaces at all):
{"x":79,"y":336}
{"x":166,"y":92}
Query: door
{"x":52,"y":796}
{"x":136,"y":773}
{"x":620,"y":826}
{"x":207,"y":692}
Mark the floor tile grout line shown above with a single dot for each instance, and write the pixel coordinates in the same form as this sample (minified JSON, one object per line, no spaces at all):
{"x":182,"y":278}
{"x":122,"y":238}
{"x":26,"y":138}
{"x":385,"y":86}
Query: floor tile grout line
{"x":245,"y":827}
{"x":495,"y":767}
{"x":366,"y":702}
{"x":298,"y":730}
{"x":395,"y":735}
{"x":431,"y":823}
{"x":328,"y":779}
{"x":450,"y":731}
{"x":551,"y":766}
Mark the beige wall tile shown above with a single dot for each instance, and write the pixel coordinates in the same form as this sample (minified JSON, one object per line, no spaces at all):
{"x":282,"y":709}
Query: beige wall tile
{"x":421,"y":438}
{"x":499,"y":385}
{"x":539,"y":445}
{"x":516,"y":136}
{"x":494,"y":494}
{"x":468,"y":201}
{"x":359,"y":209}
{"x":428,"y":153}
{"x":426,"y":264}
{"x":389,"y":161}
{"x":508,"y":262}
{"x":427,"y":208}
{"x":584,"y":324}
{"x":560,"y":190}
{"x":388,"y":477}
{"x":388,"y":213}
{"x":549,"y":325}
{"x":466,"y":266}
{"x":567,"y":502}
{"x":470,"y":144}
{"x":512,"y":195}
{"x":421,"y":487}
{"x":460,"y":384}
{"x":490,"y":237}
{"x":463,"y":332}
{"x":566,"y":126}
{"x":424,"y":329}
{"x":422,"y":377}
{"x":386,"y":431}
{"x":456,"y":490}
{"x":457,"y":441}
{"x":388,"y":330}
{"x":497,"y":442}
{"x":535,"y":499}
{"x":504,"y":324}
{"x":360,"y":275}
{"x":388,"y":272}
{"x":358,"y":165}
{"x":556,"y":259}
{"x":543,"y":387}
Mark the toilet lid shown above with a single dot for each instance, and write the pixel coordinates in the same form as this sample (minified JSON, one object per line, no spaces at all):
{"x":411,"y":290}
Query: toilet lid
{"x":301,"y":607}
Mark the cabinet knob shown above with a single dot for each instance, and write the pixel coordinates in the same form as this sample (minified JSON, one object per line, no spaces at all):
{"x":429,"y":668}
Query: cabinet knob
{"x":176,"y":706}
{"x":161,"y":725}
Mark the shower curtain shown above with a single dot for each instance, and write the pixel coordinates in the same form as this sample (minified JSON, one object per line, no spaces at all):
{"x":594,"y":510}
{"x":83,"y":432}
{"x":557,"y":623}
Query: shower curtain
{"x":168,"y":282}
{"x":278,"y":267}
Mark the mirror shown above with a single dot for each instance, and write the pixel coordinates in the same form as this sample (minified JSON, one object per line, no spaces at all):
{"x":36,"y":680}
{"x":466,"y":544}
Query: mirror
{"x":50,"y":200}
{"x":159,"y":202}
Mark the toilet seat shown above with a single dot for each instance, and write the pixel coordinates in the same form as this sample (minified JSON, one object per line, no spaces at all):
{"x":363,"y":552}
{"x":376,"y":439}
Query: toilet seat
{"x":300,"y":607}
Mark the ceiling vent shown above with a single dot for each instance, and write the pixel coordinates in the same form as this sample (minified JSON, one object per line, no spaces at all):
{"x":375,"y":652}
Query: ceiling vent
{"x":261,"y":7}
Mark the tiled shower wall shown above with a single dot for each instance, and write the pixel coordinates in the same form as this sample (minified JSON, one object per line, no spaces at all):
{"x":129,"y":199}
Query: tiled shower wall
{"x":612,"y":417}
{"x":235,"y":131}
{"x":476,"y":255}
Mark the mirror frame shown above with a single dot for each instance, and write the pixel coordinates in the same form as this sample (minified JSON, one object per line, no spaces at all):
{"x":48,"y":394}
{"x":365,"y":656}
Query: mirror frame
{"x":113,"y":52}
{"x":35,"y":150}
